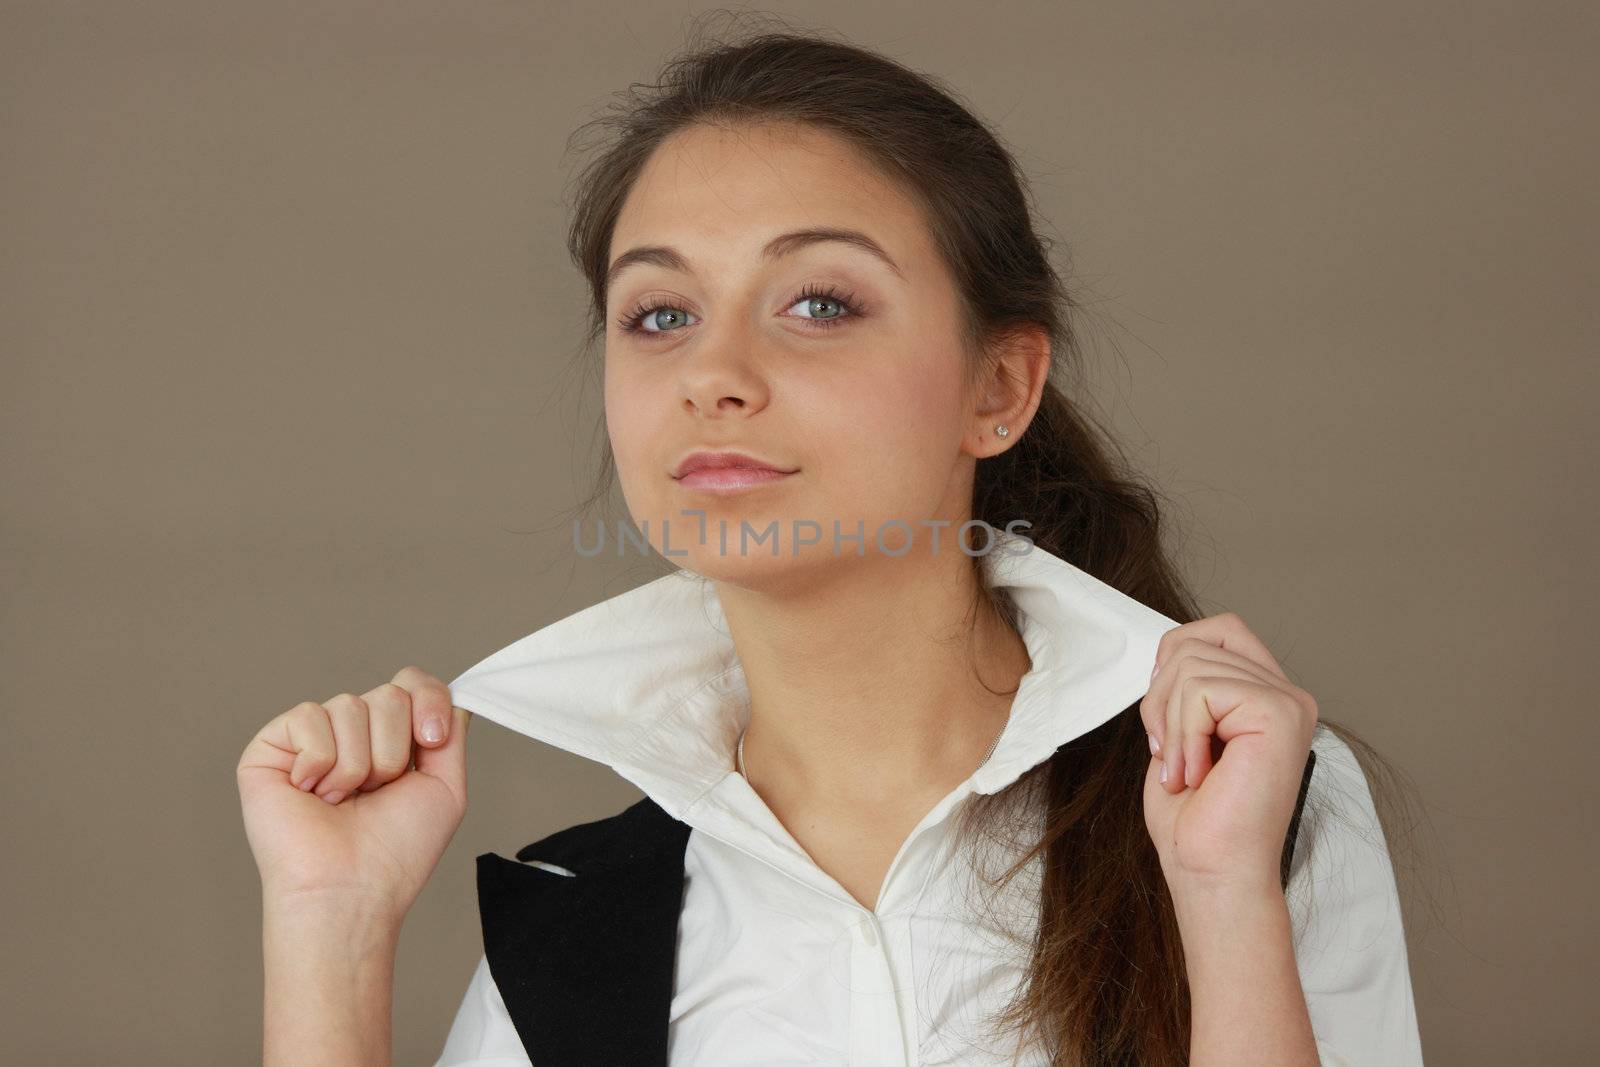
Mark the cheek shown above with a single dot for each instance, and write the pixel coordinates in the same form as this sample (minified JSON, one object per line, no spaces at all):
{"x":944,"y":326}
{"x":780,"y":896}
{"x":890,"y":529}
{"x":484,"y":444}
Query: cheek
{"x":889,"y":440}
{"x":629,"y":425}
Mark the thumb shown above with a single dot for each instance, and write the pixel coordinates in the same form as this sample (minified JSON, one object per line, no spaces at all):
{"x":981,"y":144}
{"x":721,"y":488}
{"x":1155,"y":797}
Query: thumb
{"x":448,"y":762}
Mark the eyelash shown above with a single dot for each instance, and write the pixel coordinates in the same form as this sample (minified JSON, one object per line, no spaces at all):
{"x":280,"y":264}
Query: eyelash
{"x":629,"y":323}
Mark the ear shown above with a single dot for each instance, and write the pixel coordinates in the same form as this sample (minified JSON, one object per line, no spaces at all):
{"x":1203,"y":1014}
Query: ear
{"x":1008,"y":390}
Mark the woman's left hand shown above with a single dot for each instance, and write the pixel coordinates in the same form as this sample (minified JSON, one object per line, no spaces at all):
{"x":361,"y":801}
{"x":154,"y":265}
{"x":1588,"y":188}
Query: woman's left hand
{"x":1233,"y":734}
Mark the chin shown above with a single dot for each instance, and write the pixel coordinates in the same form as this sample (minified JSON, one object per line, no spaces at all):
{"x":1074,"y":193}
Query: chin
{"x":758,"y":570}
{"x":744,"y":545}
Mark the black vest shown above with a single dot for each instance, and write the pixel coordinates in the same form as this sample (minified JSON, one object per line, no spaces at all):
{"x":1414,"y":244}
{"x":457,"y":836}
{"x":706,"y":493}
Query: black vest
{"x":584,"y":962}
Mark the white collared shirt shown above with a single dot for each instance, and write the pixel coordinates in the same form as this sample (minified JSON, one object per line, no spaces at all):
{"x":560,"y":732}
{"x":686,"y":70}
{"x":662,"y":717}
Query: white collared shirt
{"x":777,"y":963}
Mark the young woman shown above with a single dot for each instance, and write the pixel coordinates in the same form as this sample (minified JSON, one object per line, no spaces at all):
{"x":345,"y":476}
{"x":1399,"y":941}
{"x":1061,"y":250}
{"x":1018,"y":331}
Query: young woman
{"x":941,"y":764}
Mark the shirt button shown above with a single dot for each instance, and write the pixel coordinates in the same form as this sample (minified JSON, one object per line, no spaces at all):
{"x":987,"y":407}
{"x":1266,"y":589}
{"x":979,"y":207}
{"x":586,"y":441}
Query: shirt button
{"x":867,"y":933}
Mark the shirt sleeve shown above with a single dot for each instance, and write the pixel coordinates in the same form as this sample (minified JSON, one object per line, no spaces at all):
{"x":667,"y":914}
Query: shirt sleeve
{"x":1350,"y":946}
{"x":483,"y":1034}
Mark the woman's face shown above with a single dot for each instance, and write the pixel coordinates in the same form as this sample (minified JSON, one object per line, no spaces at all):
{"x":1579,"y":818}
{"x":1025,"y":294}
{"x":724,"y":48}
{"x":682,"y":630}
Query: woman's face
{"x":856,"y":388}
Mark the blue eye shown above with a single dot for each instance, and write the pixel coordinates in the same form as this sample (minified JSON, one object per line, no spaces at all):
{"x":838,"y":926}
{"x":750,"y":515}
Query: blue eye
{"x":823,"y":296}
{"x":818,"y":299}
{"x":634,"y":321}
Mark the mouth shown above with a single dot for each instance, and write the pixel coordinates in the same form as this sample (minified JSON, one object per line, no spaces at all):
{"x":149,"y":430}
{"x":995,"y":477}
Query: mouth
{"x":722,"y":479}
{"x":726,"y":471}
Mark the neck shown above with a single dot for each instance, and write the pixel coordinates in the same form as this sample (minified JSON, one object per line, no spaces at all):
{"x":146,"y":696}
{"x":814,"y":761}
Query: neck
{"x":863,"y":684}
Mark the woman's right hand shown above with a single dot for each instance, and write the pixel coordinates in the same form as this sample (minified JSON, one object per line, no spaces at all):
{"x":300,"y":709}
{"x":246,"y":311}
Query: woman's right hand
{"x":336,"y":813}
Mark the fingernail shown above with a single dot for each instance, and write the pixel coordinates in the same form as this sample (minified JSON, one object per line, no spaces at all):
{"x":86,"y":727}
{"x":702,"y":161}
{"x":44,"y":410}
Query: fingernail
{"x":307,"y":784}
{"x":432,"y":730}
{"x":1155,"y":749}
{"x":1163,"y":771}
{"x":334,"y":797}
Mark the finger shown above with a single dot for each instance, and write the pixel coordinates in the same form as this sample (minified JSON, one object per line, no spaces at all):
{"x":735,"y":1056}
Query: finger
{"x":448,"y":762}
{"x":1186,"y":737}
{"x":1227,"y":631}
{"x":389,"y":721}
{"x":431,"y":712}
{"x":1155,"y":709}
{"x":1153,"y":706}
{"x":1242,"y":706}
{"x":1189,"y":656}
{"x":308,"y":733}
{"x":352,"y":736}
{"x":1172,"y":732}
{"x":1238,"y":665}
{"x":1199,"y":726}
{"x":1147,"y":714}
{"x":270,"y":749}
{"x":1200,"y":741}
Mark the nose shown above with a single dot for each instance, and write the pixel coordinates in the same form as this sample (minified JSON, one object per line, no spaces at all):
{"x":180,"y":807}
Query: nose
{"x":719,"y":378}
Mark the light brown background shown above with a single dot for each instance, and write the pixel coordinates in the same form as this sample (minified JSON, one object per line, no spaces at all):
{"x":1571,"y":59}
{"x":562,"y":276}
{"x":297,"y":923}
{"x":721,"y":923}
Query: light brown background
{"x":287,"y":405}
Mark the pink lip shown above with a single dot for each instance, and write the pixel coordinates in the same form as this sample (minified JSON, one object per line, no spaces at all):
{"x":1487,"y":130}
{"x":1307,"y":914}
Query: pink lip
{"x":721,"y":479}
{"x":720,"y":471}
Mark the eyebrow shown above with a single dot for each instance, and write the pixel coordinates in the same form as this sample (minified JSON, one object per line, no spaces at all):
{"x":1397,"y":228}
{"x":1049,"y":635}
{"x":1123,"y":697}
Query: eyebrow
{"x":782,"y":245}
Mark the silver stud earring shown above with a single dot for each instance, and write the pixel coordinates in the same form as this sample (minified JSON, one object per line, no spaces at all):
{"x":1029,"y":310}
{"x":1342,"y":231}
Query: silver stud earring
{"x":1002,"y":430}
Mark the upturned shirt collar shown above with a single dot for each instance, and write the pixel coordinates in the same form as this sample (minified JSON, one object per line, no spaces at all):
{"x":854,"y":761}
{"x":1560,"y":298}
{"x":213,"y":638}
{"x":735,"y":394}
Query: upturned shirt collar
{"x":648,"y":682}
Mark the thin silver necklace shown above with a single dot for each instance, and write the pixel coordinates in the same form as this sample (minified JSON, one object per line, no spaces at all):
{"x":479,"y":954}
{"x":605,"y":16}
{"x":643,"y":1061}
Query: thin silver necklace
{"x":738,"y":756}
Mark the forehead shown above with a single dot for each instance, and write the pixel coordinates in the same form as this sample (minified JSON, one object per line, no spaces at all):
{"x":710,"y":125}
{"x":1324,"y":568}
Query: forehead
{"x":721,"y":192}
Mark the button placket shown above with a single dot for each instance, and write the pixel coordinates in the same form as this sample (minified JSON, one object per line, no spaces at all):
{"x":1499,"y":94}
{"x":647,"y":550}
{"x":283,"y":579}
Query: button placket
{"x":877,"y":1037}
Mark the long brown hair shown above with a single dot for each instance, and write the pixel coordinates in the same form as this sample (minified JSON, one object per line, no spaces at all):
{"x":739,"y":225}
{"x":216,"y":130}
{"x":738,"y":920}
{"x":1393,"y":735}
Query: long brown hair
{"x":1106,"y":982}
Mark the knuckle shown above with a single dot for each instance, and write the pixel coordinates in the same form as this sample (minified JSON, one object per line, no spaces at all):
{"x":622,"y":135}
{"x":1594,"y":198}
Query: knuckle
{"x":347,"y":704}
{"x":389,"y":693}
{"x":306,"y":709}
{"x":306,"y":720}
{"x":414,"y":675}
